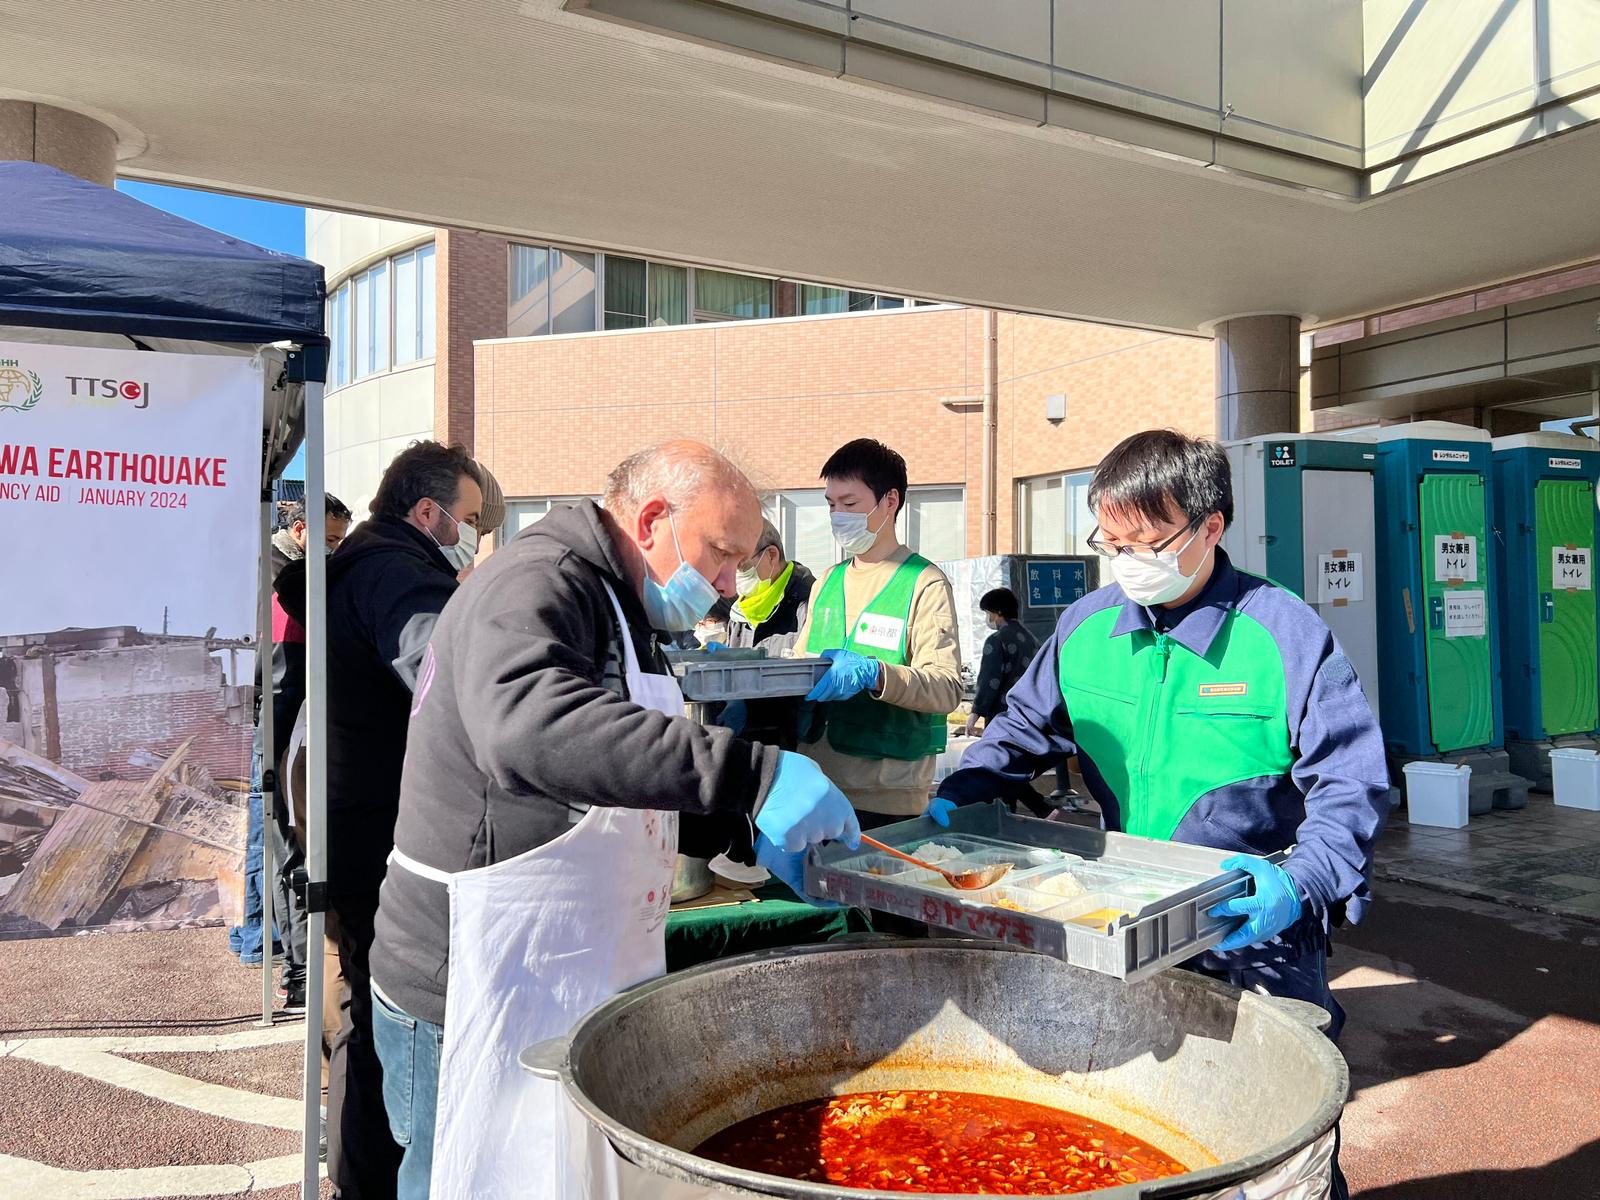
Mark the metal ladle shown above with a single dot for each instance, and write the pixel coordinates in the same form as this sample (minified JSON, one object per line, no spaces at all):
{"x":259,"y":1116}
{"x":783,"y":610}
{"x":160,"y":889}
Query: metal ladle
{"x":970,"y":880}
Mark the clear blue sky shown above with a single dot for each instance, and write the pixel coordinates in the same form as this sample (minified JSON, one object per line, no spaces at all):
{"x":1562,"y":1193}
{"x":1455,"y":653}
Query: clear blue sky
{"x":275,"y":226}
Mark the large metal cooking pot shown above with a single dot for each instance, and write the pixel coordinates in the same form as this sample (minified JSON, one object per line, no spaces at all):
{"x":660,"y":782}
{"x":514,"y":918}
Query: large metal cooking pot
{"x":1238,"y":1085}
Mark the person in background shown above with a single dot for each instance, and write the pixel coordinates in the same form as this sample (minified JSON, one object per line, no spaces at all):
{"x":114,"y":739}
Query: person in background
{"x":1006,"y":655}
{"x":387,"y":585}
{"x":288,"y":693}
{"x":1205,"y":706}
{"x":774,"y":593}
{"x":287,"y":545}
{"x":887,"y":620}
{"x":549,"y":759}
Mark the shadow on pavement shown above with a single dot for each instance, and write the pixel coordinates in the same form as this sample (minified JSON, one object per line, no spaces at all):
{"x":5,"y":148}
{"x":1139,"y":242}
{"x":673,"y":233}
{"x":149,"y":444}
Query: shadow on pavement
{"x":1577,"y":1176}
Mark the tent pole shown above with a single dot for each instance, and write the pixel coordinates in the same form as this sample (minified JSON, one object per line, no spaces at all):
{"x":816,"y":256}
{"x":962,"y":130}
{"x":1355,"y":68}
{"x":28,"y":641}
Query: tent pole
{"x":316,"y":776}
{"x":264,"y":737}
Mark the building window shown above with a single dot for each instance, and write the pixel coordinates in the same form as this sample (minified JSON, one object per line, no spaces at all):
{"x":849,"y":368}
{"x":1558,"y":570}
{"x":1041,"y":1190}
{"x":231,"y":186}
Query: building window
{"x":413,"y":305}
{"x":1053,"y":514}
{"x":640,"y":294}
{"x":394,"y":297}
{"x":339,"y":336}
{"x":721,"y":296}
{"x":552,"y":291}
{"x":816,"y":300}
{"x":935,"y":525}
{"x":522,"y":513}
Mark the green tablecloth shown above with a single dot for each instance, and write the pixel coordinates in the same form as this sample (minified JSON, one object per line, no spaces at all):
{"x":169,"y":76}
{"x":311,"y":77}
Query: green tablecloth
{"x":700,"y":935}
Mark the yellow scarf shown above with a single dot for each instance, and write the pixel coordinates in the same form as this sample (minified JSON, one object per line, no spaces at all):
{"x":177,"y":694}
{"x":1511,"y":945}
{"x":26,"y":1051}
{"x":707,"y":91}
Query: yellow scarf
{"x":759,"y":604}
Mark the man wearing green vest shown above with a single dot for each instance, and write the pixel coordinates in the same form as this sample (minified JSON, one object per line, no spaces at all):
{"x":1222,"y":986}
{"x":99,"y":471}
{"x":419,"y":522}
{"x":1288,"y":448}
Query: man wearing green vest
{"x":887,"y":620}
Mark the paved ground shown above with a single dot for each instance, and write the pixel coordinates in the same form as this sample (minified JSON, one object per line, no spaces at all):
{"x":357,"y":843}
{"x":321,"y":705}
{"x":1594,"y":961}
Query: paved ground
{"x":132,"y":1068}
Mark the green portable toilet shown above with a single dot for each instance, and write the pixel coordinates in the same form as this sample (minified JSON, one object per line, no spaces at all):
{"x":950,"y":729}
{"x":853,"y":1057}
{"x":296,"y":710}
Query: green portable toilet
{"x":1544,"y":502}
{"x":1437,"y":617}
{"x":1303,"y":517}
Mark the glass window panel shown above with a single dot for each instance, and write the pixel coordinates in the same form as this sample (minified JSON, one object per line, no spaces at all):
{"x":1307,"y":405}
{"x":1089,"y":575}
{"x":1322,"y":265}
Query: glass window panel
{"x":891,"y":302}
{"x":669,"y":295}
{"x":814,"y":300}
{"x":406,"y":342}
{"x":528,"y":312}
{"x":936,"y":523}
{"x":862,"y":301}
{"x":625,"y":293}
{"x":425,"y":286}
{"x":1046,"y":516}
{"x":721,"y":296}
{"x":378,"y":348}
{"x":572,"y":286}
{"x":807,"y":532}
{"x":339,"y":333}
{"x":1080,"y":520}
{"x":362,"y":287}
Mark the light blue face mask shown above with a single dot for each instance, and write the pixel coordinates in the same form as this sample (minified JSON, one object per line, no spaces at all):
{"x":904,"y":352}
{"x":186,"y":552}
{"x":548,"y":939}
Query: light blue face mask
{"x":681,"y":601}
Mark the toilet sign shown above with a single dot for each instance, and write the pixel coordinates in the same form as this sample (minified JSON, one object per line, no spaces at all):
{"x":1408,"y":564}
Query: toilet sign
{"x":1571,"y":569}
{"x":1341,"y":578}
{"x":1455,"y":558}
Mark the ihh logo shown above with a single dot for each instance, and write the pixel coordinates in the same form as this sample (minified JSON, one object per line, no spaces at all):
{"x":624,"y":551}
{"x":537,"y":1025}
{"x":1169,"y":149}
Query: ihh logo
{"x":136,"y":393}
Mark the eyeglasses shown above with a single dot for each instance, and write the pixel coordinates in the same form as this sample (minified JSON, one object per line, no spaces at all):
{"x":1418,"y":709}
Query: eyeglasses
{"x":1136,"y":551}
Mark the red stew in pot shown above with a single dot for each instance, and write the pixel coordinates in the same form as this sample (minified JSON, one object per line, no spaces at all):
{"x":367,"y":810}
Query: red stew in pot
{"x":924,"y":1141}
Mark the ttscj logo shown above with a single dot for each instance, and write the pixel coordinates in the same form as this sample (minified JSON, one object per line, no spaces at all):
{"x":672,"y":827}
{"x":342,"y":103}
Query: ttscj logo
{"x":134,"y":392}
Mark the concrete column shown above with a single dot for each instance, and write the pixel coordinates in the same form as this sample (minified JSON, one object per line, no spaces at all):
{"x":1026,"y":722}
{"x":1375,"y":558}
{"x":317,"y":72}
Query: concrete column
{"x":59,"y":138}
{"x":1258,"y":376}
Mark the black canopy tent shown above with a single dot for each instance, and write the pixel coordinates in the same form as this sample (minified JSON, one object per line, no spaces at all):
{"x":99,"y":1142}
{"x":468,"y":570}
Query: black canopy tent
{"x":81,"y":264}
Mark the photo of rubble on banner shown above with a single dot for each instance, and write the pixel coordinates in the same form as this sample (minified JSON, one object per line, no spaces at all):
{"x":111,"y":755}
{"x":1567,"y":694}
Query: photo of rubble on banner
{"x":127,"y":657}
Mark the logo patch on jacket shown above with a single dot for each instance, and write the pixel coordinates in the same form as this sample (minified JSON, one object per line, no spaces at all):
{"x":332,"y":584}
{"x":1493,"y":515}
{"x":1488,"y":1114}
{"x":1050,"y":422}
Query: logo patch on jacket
{"x":1224,"y":689}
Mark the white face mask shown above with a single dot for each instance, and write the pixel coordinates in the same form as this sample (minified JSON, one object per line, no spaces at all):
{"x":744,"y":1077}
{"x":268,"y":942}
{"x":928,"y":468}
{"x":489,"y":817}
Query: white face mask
{"x":465,"y":548}
{"x":854,"y":532}
{"x":1150,"y":579}
{"x":745,"y":582}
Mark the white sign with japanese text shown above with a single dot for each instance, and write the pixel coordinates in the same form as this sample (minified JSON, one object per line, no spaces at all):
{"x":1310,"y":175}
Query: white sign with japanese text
{"x":1455,"y":559}
{"x":1340,"y":577}
{"x":1571,"y":568}
{"x":1466,"y":613}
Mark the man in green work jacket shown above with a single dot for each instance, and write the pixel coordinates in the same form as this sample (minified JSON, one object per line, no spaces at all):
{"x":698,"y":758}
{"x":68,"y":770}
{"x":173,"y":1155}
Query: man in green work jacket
{"x":1205,"y":706}
{"x":887,"y":619}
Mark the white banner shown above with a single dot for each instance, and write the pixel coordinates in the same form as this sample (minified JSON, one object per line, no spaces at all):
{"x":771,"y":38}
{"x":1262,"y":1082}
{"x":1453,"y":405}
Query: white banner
{"x":130,"y":516}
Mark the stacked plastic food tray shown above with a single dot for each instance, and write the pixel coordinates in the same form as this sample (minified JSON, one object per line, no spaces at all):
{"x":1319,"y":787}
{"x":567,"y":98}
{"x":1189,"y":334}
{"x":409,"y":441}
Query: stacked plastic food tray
{"x":742,"y":675}
{"x":1119,"y":905}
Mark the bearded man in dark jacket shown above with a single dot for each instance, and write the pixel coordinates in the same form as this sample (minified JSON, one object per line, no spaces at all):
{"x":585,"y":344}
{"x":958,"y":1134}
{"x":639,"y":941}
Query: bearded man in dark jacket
{"x":387,"y":585}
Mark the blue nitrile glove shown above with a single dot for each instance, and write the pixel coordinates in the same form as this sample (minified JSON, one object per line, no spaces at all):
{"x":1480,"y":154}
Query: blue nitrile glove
{"x":803,"y":807}
{"x":850,"y":673}
{"x":789,"y":866}
{"x":733,"y":716}
{"x":713,"y":647}
{"x":939,"y":810}
{"x":1274,"y":903}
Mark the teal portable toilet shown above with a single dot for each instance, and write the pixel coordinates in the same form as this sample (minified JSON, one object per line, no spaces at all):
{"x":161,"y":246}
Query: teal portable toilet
{"x":1544,"y":502}
{"x":1303,"y":517}
{"x":1437,"y":563}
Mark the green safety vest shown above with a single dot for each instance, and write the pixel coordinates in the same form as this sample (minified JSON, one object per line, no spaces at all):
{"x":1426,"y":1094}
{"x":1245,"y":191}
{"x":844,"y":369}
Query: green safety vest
{"x":1164,"y":726}
{"x":861,"y":726}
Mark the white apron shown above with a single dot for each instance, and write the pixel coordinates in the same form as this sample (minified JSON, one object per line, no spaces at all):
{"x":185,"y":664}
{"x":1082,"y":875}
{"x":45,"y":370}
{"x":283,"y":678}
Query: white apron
{"x":536,"y":942}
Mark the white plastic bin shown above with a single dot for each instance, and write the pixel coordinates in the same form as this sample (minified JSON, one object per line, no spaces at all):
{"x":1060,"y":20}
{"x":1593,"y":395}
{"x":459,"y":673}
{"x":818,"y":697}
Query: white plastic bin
{"x":1436,"y":794}
{"x":949,"y":760}
{"x":1577,"y":778}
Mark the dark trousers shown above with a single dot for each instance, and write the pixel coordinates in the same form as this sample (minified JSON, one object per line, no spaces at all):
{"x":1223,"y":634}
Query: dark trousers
{"x":1306,"y":978}
{"x":363,"y":1159}
{"x":289,"y":900}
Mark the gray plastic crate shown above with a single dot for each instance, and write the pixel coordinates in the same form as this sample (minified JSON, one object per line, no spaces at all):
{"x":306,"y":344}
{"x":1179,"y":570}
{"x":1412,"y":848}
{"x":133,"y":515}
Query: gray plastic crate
{"x":730,"y":675}
{"x":1165,"y":888}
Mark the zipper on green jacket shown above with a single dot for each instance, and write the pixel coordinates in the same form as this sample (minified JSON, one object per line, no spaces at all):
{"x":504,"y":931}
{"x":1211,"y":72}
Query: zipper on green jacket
{"x":1160,"y":653}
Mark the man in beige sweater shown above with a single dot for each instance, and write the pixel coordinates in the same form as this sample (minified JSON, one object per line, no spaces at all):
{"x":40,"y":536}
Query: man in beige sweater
{"x":886,"y":618}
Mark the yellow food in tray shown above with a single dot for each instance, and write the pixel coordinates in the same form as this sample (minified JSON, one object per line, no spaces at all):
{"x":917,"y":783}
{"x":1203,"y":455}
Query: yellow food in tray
{"x":1101,"y":920}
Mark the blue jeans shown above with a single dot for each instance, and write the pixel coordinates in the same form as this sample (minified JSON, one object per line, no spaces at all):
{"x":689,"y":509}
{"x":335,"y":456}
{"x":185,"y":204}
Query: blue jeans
{"x":245,"y":940}
{"x":409,"y":1049}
